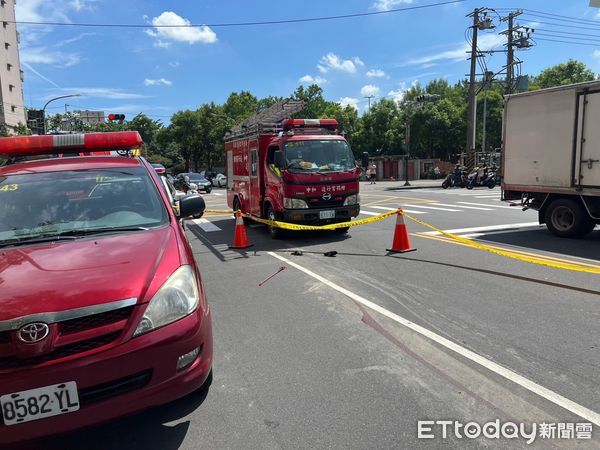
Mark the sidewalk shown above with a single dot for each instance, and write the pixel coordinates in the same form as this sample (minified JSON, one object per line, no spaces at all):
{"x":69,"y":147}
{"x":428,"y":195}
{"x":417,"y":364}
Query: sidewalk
{"x":398,"y":185}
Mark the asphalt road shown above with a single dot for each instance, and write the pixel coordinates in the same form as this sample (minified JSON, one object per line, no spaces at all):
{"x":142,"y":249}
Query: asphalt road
{"x":352,"y":351}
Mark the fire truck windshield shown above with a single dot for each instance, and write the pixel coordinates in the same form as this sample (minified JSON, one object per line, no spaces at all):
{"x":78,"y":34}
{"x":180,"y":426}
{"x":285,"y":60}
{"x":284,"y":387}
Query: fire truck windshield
{"x":73,"y":203}
{"x":319,"y":156}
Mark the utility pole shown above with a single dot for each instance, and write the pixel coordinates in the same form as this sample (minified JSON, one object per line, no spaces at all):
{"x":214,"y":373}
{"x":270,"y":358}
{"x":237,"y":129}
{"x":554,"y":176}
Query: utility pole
{"x":483,"y":136}
{"x":472,"y":98}
{"x":406,"y":182}
{"x":369,"y":97}
{"x":522,"y":42}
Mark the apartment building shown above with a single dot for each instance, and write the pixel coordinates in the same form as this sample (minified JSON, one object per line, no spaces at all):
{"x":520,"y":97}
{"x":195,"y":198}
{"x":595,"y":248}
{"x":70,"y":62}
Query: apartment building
{"x":12,"y":107}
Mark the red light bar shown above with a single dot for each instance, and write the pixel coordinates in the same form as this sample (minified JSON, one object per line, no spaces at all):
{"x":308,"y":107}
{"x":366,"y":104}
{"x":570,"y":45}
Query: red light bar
{"x":309,"y":123}
{"x":69,"y":143}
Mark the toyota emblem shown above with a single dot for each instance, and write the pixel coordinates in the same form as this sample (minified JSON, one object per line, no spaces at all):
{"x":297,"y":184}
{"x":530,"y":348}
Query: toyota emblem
{"x":327,"y":196}
{"x":33,"y":332}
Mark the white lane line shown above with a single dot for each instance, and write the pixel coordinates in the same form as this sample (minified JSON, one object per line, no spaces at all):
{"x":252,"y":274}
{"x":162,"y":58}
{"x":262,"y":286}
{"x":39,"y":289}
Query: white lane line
{"x":369,"y":213}
{"x":515,"y":208}
{"x":504,"y":372}
{"x":218,"y":193}
{"x":508,"y":226}
{"x":206,"y":225}
{"x":410,"y":211}
{"x":465,"y":207}
{"x":488,"y":196}
{"x":431,"y":207}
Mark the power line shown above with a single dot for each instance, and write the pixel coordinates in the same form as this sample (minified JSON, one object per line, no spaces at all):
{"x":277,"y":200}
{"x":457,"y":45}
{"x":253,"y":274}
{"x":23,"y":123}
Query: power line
{"x":241,"y":24}
{"x":566,"y":26}
{"x":560,"y":35}
{"x":533,"y":12}
{"x":566,"y":32}
{"x":567,"y":42}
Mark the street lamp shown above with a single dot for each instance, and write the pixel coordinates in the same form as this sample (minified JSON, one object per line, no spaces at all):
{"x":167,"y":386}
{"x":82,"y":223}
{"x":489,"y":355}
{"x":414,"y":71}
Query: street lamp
{"x":50,"y":101}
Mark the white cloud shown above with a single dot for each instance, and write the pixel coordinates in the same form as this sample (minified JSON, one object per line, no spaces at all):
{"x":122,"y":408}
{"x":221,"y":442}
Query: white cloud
{"x":486,"y":42}
{"x":309,"y":79}
{"x":41,"y":55}
{"x":79,"y":37}
{"x":397,"y":94}
{"x":331,"y":61}
{"x":32,"y":70}
{"x":596,"y":54}
{"x":369,"y":91}
{"x":99,"y":92}
{"x":179,"y":29}
{"x":376,"y":73}
{"x":79,"y":5}
{"x":161,"y":44}
{"x":386,"y":5}
{"x":174,"y":64}
{"x":349,"y":101}
{"x":158,"y":82}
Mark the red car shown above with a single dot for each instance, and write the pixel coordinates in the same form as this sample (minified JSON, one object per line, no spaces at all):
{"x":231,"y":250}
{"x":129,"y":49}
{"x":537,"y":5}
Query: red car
{"x":102,"y":309}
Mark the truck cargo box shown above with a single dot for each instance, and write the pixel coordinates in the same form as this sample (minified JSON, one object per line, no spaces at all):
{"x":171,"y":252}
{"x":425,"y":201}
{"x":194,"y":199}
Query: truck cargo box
{"x":552,"y":140}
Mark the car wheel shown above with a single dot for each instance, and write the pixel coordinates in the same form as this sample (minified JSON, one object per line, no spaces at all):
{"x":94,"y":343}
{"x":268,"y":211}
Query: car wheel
{"x":567,"y":218}
{"x":208,"y":189}
{"x":275,"y":232}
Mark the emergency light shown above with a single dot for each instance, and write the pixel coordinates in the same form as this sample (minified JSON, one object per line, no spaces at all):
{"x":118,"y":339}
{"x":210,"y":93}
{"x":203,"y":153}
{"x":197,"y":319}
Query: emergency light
{"x":69,"y":143}
{"x":288,"y":124}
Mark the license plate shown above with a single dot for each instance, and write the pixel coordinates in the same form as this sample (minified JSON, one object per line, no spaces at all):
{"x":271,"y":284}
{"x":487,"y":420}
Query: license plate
{"x":326,"y":214}
{"x":39,"y":403}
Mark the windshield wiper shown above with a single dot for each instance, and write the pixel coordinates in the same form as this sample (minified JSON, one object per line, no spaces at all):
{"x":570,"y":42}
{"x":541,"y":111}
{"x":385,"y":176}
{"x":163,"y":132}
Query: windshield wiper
{"x":35,"y":240}
{"x":90,"y":231}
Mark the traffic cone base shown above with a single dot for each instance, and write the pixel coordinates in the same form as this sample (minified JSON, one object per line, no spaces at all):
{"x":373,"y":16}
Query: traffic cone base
{"x":401,"y":242}
{"x":240,"y":238}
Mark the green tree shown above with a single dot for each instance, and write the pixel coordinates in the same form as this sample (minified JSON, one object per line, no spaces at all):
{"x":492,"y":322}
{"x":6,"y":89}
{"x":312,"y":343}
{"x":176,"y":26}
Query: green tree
{"x":566,"y":73}
{"x":240,"y":106}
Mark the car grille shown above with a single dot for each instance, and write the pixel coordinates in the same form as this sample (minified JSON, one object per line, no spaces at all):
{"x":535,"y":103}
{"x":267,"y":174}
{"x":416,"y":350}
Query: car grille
{"x":96,"y":320}
{"x":97,"y":330}
{"x":12,"y":362}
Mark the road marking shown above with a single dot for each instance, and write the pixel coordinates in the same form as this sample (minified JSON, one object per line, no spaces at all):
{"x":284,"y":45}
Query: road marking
{"x":206,"y":225}
{"x":432,"y":207}
{"x":514,"y":208}
{"x":504,"y":372}
{"x":369,"y":213}
{"x":488,"y":196}
{"x":466,"y":207}
{"x":508,"y":226}
{"x":385,"y":208}
{"x":218,"y":193}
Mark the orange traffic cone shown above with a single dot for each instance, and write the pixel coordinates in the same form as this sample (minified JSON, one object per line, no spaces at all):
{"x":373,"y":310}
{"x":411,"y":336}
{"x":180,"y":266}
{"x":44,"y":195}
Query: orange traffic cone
{"x":401,"y":243}
{"x":240,"y":239}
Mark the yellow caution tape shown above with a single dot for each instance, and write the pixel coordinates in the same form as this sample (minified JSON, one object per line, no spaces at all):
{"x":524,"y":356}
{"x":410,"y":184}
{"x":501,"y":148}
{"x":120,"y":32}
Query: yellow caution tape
{"x":331,"y":226}
{"x":219,"y":211}
{"x":551,"y":262}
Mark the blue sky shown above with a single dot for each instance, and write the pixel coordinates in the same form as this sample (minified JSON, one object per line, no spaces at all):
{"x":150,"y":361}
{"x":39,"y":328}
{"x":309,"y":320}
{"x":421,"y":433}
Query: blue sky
{"x":158,"y":71}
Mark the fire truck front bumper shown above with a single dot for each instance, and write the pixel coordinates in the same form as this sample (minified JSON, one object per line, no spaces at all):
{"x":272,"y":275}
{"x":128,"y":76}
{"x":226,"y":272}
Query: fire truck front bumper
{"x":322,"y":215}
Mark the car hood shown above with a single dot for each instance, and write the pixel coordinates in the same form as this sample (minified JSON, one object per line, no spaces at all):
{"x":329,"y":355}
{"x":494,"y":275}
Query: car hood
{"x":86,"y":272}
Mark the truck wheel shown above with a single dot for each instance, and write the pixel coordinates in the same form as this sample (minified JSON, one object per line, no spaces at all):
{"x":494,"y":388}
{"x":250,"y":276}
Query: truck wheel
{"x":567,"y":218}
{"x":275,"y":232}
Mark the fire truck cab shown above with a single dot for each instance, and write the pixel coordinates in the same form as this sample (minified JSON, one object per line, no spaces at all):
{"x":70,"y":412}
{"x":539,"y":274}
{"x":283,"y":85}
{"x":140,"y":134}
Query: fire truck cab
{"x":292,"y":170}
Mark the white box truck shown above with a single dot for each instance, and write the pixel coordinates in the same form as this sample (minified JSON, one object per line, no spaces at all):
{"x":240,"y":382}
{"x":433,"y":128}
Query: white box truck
{"x":551,"y":155}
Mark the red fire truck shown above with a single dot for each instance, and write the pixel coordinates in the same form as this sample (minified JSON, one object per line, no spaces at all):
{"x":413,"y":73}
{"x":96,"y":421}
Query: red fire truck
{"x":291,"y":170}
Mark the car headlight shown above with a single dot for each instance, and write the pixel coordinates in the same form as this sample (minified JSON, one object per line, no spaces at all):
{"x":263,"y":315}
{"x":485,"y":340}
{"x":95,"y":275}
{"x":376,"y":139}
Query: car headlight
{"x":352,"y":200}
{"x":177,"y":298}
{"x":294,"y":203}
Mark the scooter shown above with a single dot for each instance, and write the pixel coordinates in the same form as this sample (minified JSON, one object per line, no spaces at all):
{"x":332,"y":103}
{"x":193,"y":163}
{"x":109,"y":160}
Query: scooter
{"x":455,"y":179}
{"x":487,"y":178}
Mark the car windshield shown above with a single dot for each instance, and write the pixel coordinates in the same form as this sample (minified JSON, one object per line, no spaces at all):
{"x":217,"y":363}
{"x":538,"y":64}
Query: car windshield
{"x":51,"y":204}
{"x":319,"y":156}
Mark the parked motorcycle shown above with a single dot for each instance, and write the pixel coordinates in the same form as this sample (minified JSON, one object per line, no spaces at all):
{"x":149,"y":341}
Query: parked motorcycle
{"x":481,"y":176}
{"x":457,"y":178}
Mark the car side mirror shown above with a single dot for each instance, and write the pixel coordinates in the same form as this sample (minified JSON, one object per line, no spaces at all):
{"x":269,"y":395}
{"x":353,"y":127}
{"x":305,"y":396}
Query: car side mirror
{"x":191,"y":205}
{"x":278,"y":159}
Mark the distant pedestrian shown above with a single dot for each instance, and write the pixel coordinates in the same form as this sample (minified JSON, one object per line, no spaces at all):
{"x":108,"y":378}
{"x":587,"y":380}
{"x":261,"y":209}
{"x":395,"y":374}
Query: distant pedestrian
{"x":372,"y":173}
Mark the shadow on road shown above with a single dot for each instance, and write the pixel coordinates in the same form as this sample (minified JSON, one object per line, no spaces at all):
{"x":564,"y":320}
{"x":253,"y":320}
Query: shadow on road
{"x":543,"y":240}
{"x":147,"y":430}
{"x":217,"y":241}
